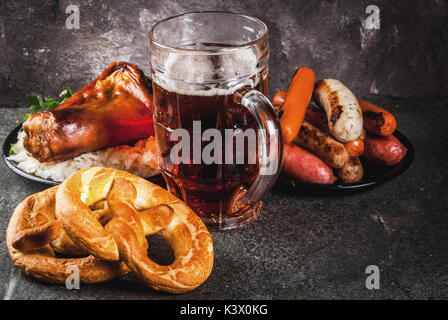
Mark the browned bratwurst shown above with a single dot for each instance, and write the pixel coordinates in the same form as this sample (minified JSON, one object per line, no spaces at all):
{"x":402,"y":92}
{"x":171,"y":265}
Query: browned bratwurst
{"x":352,"y":171}
{"x":317,"y":117}
{"x":323,"y":145}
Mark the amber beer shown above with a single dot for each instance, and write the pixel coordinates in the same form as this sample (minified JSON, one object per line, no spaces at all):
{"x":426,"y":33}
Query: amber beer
{"x":211,"y":68}
{"x":211,"y":189}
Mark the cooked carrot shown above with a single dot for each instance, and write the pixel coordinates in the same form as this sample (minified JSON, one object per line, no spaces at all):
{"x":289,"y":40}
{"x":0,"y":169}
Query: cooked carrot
{"x":296,"y":102}
{"x":377,"y":120}
{"x":279,"y":98}
{"x":355,"y":148}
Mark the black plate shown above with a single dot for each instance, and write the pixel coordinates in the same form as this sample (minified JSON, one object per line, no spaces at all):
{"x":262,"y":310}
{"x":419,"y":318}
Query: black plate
{"x":373,"y":175}
{"x":12,"y":138}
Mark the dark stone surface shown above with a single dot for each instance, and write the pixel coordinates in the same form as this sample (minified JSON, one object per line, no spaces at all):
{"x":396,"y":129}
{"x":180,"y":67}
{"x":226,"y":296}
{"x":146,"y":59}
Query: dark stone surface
{"x":406,"y":57}
{"x":303,"y":246}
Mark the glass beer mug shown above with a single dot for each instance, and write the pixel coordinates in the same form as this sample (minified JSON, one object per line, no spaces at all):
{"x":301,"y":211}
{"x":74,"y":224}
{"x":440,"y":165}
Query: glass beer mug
{"x":219,"y":138}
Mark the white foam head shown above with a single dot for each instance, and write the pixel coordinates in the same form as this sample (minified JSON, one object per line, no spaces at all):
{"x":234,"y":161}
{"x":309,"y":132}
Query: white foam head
{"x":209,"y":75}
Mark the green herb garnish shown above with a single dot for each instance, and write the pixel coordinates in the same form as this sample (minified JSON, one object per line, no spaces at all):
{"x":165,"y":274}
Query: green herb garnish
{"x":47,"y":104}
{"x":67,"y":93}
{"x":43,"y":105}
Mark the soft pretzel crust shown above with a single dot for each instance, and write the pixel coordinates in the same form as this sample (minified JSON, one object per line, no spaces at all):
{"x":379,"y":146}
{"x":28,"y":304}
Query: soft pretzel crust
{"x":36,"y":256}
{"x":138,"y":208}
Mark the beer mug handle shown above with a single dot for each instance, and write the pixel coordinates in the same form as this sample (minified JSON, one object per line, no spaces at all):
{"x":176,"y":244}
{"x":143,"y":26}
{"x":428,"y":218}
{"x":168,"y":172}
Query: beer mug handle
{"x":269,"y":146}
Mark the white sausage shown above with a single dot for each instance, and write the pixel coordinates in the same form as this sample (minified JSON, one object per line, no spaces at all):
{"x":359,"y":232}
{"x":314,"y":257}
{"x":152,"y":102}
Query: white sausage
{"x":342,"y":108}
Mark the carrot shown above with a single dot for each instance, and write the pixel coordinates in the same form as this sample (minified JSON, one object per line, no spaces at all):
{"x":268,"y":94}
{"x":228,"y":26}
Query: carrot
{"x":296,"y":102}
{"x":377,"y":120}
{"x":355,"y":148}
{"x":279,"y":98}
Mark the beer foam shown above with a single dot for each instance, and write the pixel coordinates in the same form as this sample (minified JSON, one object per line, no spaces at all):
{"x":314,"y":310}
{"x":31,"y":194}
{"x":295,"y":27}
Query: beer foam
{"x":209,"y":75}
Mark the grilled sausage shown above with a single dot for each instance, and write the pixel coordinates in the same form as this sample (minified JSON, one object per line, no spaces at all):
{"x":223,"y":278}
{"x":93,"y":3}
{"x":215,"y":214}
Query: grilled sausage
{"x":352,"y":171}
{"x":296,"y":102}
{"x":386,"y":151}
{"x":377,"y":120}
{"x":317,"y":117}
{"x":320,"y":143}
{"x":279,"y":98}
{"x":355,"y":148}
{"x":304,"y":166}
{"x":344,"y":114}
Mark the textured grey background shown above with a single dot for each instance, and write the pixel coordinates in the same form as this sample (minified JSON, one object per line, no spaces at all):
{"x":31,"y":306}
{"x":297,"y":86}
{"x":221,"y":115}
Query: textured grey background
{"x":407,"y":57}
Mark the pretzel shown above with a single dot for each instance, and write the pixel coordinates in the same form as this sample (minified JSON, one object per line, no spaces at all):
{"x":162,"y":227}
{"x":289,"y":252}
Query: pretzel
{"x":137,"y":208}
{"x":34,"y":236}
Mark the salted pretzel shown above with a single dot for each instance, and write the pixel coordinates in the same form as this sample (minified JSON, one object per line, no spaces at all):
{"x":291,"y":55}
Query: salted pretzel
{"x":135,"y":208}
{"x":34,"y":236}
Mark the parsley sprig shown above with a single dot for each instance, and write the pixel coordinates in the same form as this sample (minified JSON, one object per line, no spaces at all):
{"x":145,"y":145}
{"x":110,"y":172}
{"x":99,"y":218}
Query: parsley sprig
{"x":48,"y":103}
{"x":43,"y":105}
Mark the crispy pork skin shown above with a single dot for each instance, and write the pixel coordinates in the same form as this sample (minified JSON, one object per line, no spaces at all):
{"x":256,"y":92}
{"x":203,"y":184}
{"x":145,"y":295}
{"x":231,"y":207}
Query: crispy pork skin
{"x":114,"y":109}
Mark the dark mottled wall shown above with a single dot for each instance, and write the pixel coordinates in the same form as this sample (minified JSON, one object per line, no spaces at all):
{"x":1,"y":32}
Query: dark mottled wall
{"x":406,"y":57}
